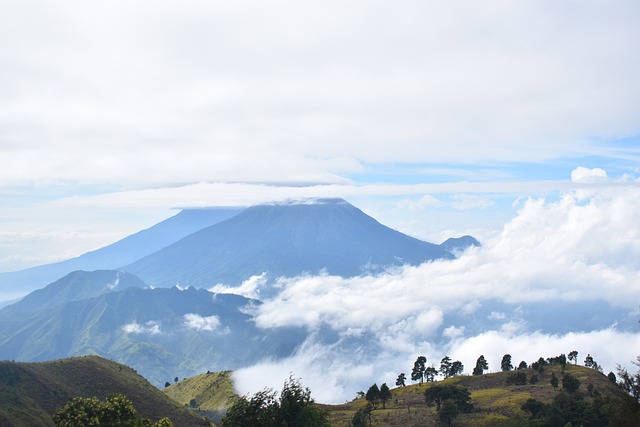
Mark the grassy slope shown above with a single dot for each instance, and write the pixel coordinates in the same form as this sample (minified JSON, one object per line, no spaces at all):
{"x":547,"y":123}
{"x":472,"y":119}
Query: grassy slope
{"x":213,"y":393}
{"x":31,"y":392}
{"x":497,"y":404}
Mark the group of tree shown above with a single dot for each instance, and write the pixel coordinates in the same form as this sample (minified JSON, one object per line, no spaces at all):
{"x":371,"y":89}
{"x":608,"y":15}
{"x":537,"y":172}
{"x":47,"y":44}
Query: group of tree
{"x":116,"y":410}
{"x":292,"y":407}
{"x":421,"y":372}
{"x":375,"y":395}
{"x":450,"y":400}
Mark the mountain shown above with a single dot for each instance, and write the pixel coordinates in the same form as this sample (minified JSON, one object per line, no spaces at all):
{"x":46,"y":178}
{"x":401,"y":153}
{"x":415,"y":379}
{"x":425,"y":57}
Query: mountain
{"x":75,"y":286}
{"x":163,"y":332}
{"x":31,"y":392}
{"x":290,"y":239}
{"x":455,"y":245}
{"x":122,"y":252}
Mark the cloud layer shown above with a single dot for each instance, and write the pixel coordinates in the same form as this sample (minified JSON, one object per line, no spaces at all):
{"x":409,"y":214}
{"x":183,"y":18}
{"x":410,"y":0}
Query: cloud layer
{"x":579,"y":249}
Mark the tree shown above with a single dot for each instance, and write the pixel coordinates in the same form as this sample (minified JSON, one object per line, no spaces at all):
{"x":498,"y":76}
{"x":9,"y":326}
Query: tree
{"x":589,"y":362}
{"x":385,"y":395}
{"x":400,"y":381}
{"x":612,"y":377}
{"x":293,"y":407}
{"x":630,"y":382}
{"x":570,"y":383}
{"x":534,"y":407}
{"x":167,"y":384}
{"x":419,"y":366}
{"x":438,"y":393}
{"x":573,"y":356}
{"x":445,"y":366}
{"x":518,"y":378}
{"x":481,"y":366}
{"x":448,"y":412}
{"x":115,"y":410}
{"x":456,"y":368}
{"x":430,"y":374}
{"x":175,"y":380}
{"x":505,"y":364}
{"x":360,"y":417}
{"x":554,"y":380}
{"x":373,"y":394}
{"x":523,"y":365}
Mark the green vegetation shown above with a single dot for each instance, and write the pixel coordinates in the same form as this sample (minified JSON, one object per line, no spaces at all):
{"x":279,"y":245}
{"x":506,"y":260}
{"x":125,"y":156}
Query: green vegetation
{"x":31,"y":392}
{"x":295,"y":407}
{"x":116,"y":410}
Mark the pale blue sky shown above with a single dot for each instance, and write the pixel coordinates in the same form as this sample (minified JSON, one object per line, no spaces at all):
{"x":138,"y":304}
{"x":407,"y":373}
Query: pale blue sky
{"x":435,"y":117}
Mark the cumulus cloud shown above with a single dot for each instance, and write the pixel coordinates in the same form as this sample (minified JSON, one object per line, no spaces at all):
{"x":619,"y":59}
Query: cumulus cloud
{"x":250,"y":288}
{"x":586,"y":175}
{"x":578,"y":248}
{"x":200,"y":323}
{"x":151,"y":327}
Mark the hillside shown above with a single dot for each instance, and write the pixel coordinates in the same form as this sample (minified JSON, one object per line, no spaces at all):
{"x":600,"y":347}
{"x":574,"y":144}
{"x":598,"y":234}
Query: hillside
{"x":209,"y":394}
{"x":31,"y":392}
{"x":495,"y":402}
{"x":162,"y":333}
{"x":328,"y":235}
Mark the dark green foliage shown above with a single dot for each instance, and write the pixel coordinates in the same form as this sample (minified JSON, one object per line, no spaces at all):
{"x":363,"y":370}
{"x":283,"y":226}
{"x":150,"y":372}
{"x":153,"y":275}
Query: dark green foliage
{"x":295,"y":407}
{"x":448,"y":412}
{"x":456,"y":368}
{"x":430,"y":374}
{"x":559,"y":360}
{"x":612,"y":377}
{"x":419,"y":366}
{"x":116,"y":410}
{"x":481,"y":365}
{"x":534,"y":379}
{"x":523,"y":365}
{"x":505,"y":364}
{"x":445,"y":366}
{"x":400,"y":381}
{"x":570,"y":383}
{"x":439,"y":393}
{"x":167,"y":384}
{"x":573,"y":356}
{"x":373,"y":394}
{"x":361,"y":416}
{"x":539,"y":365}
{"x":518,"y":378}
{"x":554,"y":380}
{"x":534,"y":407}
{"x":630,"y":382}
{"x":385,"y":395}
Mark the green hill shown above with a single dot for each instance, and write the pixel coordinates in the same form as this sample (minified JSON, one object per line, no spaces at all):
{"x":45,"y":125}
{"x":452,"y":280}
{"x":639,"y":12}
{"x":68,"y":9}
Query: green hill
{"x":31,"y":392}
{"x":209,"y":394}
{"x":495,"y":402}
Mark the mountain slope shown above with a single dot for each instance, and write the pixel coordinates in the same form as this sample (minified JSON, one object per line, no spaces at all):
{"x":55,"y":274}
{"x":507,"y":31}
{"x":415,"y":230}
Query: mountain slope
{"x":496,"y":402}
{"x":328,"y":235}
{"x":75,"y":286}
{"x":122,"y":252}
{"x":163,"y":333}
{"x":31,"y":392}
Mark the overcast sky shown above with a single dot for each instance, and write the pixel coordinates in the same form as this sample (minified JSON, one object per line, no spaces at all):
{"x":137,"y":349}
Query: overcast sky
{"x":435,"y":117}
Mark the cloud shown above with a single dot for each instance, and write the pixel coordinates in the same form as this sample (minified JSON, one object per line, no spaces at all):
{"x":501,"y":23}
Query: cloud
{"x":145,"y":95}
{"x":199,"y":323}
{"x":151,"y":327}
{"x":577,"y":249}
{"x":585,"y":175}
{"x":250,"y":288}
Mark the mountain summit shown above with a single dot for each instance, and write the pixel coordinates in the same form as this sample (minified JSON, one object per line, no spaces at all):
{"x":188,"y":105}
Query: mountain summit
{"x":285,"y":239}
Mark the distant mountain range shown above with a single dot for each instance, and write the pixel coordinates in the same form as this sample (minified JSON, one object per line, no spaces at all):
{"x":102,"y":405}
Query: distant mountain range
{"x":203,"y":247}
{"x":120,"y":253}
{"x":132,"y":313}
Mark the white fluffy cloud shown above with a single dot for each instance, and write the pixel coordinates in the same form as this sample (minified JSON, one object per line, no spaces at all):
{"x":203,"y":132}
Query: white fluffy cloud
{"x":151,"y":328}
{"x":586,"y":175}
{"x":200,"y":323}
{"x":580,"y":247}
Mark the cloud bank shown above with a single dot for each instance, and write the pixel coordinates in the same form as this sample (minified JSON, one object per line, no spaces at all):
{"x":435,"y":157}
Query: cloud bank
{"x":579,"y":250}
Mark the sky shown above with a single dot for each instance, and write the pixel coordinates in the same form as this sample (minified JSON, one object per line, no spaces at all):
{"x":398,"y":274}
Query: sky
{"x":513,"y":121}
